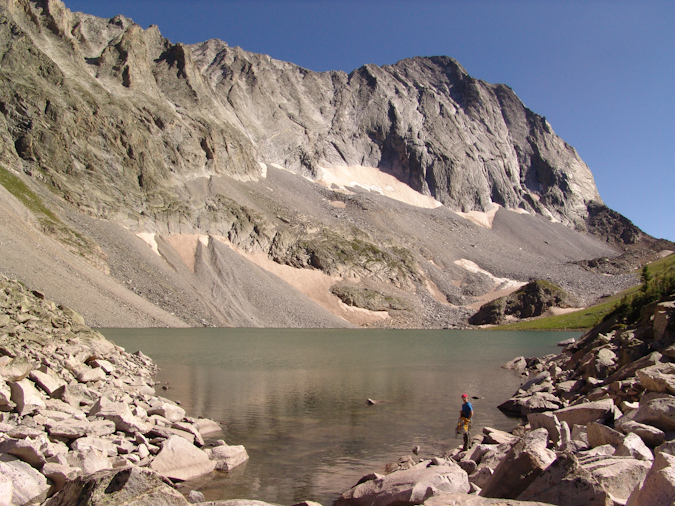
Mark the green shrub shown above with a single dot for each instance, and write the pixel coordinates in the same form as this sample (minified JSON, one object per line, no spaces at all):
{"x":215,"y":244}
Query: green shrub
{"x":654,"y":288}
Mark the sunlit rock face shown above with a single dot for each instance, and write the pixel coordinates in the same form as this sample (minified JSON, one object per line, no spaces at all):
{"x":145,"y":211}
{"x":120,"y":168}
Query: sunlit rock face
{"x":461,"y":140}
{"x":118,"y":118}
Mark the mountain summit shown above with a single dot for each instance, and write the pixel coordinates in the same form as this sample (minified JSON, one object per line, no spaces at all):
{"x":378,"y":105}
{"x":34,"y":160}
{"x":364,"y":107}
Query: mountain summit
{"x":170,"y":184}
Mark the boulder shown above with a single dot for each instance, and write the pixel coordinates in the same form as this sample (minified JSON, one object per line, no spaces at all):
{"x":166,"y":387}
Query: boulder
{"x":69,"y":428}
{"x":118,"y":487}
{"x":26,"y":397}
{"x":85,"y":374}
{"x":207,"y":427}
{"x":599,"y":434}
{"x":59,"y":474}
{"x":468,"y":465}
{"x":633,"y":446}
{"x":658,"y":378}
{"x":494,"y":455}
{"x":29,"y":450}
{"x":650,"y":435}
{"x":517,"y":364}
{"x":5,"y":393}
{"x":6,"y":488}
{"x":171,"y":412}
{"x":87,"y":443}
{"x":407,"y":488}
{"x":120,"y":414}
{"x":540,"y":402}
{"x":28,"y":485}
{"x":664,"y":315}
{"x":16,"y":370}
{"x":494,"y":436}
{"x":191,"y":429}
{"x":474,"y":500}
{"x":535,"y":380}
{"x":566,"y":483}
{"x":658,"y":488}
{"x":180,"y":460}
{"x":478,"y":451}
{"x":227,"y":457}
{"x":659,"y":413}
{"x":481,"y":476}
{"x":524,"y":462}
{"x":90,"y":461}
{"x":582,"y":414}
{"x":50,"y":383}
{"x":547,"y":421}
{"x":631,"y":368}
{"x":618,"y":476}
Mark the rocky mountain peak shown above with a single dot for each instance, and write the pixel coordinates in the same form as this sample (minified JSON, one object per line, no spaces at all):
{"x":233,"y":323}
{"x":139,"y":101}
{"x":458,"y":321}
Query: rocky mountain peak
{"x":199,"y":148}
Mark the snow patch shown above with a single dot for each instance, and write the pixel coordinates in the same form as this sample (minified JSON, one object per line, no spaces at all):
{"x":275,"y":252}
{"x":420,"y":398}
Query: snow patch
{"x":149,"y":239}
{"x":374,"y":180}
{"x":500,"y":283}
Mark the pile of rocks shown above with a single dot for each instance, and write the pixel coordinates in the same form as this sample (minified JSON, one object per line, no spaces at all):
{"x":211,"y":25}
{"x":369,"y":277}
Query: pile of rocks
{"x":75,"y":407}
{"x":598,"y":428}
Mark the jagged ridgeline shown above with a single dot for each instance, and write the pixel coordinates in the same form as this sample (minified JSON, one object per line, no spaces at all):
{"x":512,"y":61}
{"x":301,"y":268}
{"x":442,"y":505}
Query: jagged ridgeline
{"x":210,"y":153}
{"x":117,"y":117}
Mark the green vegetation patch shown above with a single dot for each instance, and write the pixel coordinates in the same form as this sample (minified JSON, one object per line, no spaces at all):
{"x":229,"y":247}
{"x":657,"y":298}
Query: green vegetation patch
{"x":49,"y":222}
{"x":626,"y":303}
{"x":27,"y":197}
{"x":366,"y":298}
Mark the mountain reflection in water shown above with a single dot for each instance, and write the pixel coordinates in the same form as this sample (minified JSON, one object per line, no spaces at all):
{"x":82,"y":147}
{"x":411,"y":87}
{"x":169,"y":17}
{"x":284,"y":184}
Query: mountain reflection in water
{"x":296,"y":398}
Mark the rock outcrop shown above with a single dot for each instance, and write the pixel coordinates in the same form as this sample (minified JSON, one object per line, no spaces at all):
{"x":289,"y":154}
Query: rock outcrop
{"x":533,"y":299}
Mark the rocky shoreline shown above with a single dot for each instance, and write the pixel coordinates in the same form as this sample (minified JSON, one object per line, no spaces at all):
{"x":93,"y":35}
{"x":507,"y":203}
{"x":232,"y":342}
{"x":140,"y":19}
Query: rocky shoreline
{"x":81,"y":423}
{"x":80,"y":420}
{"x":598,"y":428}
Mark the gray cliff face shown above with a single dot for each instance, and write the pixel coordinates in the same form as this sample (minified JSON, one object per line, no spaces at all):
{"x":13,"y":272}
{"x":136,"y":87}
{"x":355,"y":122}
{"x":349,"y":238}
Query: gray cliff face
{"x":425,"y":120}
{"x":209,"y":109}
{"x":113,"y":139}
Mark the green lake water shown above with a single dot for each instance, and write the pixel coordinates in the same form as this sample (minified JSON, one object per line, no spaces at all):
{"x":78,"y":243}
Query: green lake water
{"x":296,"y":399}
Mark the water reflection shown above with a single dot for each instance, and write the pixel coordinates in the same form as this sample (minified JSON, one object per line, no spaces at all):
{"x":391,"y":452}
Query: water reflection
{"x":297,"y":398}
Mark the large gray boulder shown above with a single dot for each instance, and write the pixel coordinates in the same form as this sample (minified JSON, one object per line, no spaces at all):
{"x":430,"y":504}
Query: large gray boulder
{"x":227,"y":457}
{"x":28,"y":485}
{"x":617,"y":475}
{"x":658,"y":378}
{"x":659,"y":413}
{"x":650,"y":435}
{"x":180,"y":460}
{"x":26,"y":397}
{"x":547,"y":421}
{"x":599,"y":434}
{"x":566,"y":483}
{"x":528,"y":458}
{"x":582,"y":414}
{"x":633,"y":446}
{"x":658,"y":488}
{"x":119,"y":487}
{"x":408,"y":487}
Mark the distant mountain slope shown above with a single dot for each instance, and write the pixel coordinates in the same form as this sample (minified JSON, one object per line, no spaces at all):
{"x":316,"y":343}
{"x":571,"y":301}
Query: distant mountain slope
{"x":202,"y":151}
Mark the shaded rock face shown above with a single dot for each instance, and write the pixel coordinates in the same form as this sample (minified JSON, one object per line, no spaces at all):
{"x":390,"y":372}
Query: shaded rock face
{"x":209,"y":109}
{"x":531,"y":300}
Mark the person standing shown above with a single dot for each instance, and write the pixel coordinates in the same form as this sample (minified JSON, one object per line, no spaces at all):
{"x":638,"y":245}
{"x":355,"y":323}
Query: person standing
{"x":464,"y":424}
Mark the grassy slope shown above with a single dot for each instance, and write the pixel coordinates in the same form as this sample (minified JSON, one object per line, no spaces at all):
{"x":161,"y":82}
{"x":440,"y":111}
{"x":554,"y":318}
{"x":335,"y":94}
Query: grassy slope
{"x":590,"y":316}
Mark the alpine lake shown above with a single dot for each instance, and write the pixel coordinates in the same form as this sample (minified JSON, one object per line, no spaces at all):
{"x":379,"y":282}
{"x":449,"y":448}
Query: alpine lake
{"x":297,"y":398}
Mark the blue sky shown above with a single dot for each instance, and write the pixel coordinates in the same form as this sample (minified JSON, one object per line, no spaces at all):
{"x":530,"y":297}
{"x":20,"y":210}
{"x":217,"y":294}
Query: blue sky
{"x":602,"y":72}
